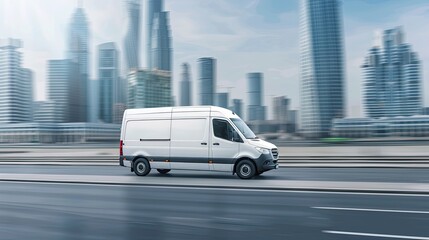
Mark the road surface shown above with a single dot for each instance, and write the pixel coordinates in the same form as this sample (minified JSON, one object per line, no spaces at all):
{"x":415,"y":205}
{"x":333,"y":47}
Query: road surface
{"x":83,"y":210}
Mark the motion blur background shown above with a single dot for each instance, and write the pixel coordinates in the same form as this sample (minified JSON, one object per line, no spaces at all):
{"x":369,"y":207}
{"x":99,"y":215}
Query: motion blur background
{"x":294,"y":70}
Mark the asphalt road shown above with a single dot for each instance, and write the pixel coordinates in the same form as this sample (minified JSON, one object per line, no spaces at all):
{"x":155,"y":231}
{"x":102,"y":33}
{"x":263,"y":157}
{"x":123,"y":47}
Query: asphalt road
{"x":82,"y":211}
{"x":61,"y":210}
{"x":404,"y":175}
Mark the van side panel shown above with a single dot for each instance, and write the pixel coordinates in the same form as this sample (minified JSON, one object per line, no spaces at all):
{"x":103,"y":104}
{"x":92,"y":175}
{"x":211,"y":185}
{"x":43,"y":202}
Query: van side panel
{"x":150,"y":138}
{"x":189,"y":140}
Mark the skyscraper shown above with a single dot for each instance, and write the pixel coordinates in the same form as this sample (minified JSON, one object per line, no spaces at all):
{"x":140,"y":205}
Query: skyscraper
{"x":161,"y":42}
{"x":256,"y":110}
{"x":108,"y":76}
{"x":78,"y":52}
{"x":15,"y":84}
{"x":154,"y":7}
{"x":207,"y":80}
{"x":132,"y":38}
{"x":185,"y":86}
{"x":60,"y":90}
{"x":222,"y":100}
{"x":322,"y":66}
{"x":392,"y":81}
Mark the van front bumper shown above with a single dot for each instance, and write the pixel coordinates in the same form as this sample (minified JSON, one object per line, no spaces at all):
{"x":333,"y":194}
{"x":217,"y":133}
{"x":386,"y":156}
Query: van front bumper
{"x":266,"y":162}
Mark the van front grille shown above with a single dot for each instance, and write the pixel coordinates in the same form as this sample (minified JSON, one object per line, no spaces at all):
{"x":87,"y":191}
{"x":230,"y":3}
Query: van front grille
{"x":275,"y":153}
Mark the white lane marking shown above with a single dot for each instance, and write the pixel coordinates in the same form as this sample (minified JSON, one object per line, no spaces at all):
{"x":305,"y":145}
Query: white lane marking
{"x":220,"y":189}
{"x":376,"y":235}
{"x":371,"y":210}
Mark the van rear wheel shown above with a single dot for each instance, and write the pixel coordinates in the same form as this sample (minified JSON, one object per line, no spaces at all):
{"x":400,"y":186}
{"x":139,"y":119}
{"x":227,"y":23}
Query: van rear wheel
{"x":245,"y":169}
{"x":163,"y":171}
{"x":141,"y":167}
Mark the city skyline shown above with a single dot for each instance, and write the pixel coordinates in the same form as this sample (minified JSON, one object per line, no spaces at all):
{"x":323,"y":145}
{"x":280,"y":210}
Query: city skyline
{"x":243,"y":50}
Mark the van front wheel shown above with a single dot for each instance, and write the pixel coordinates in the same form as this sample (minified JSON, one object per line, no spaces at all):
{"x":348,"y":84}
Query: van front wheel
{"x":245,"y":169}
{"x":141,"y":167}
{"x":163,"y":171}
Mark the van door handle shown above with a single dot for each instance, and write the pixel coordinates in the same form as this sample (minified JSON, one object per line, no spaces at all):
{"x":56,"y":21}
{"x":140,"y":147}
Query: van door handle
{"x":203,"y":143}
{"x":216,"y":144}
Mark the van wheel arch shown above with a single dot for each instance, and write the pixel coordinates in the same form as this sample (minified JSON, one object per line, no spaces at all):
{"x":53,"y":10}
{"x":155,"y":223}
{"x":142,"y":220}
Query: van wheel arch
{"x":241,"y":159}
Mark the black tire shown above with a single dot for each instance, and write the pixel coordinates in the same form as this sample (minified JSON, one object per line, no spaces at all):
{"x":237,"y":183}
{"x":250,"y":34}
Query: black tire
{"x":141,"y":167}
{"x":245,"y":169}
{"x":163,"y":171}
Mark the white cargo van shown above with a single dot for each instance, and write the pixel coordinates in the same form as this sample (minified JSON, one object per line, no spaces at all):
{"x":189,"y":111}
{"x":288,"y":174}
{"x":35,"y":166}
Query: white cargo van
{"x":193,"y":138}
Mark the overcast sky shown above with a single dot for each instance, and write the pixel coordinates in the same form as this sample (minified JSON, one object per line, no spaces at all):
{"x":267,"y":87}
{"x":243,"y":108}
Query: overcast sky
{"x":244,"y":35}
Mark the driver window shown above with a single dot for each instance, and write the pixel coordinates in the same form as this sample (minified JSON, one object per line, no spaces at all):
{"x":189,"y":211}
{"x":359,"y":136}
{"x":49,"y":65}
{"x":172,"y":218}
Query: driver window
{"x":222,"y":129}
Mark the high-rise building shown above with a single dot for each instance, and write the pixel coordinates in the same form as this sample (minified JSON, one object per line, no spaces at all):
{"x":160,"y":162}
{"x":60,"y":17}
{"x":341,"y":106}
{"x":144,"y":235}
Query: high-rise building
{"x":154,"y":7}
{"x":61,"y":83}
{"x":147,"y":89}
{"x":207,"y":80}
{"x":161,"y":42}
{"x":222,"y":100}
{"x":27,"y":91}
{"x":237,"y":107}
{"x":108,"y":76}
{"x":78,"y":52}
{"x":132,"y":38}
{"x":186,"y":86}
{"x":255,"y":110}
{"x":15,"y":84}
{"x":280,"y":108}
{"x":322,"y":66}
{"x":392,"y":81}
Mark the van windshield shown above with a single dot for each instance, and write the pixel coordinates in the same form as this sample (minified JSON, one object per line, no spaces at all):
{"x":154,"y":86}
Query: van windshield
{"x":244,"y":129}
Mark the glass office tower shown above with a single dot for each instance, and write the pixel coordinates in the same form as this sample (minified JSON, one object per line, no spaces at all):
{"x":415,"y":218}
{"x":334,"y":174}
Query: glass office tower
{"x":322,"y":66}
{"x":392,"y":81}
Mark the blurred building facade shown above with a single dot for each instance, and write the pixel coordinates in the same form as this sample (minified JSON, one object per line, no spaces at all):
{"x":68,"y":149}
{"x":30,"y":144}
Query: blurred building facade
{"x":42,"y":132}
{"x":61,"y":77}
{"x":322,"y":66}
{"x":47,"y":112}
{"x":185,"y":86}
{"x":207,"y":80}
{"x":409,"y":126}
{"x":108,"y":76}
{"x":255,"y":108}
{"x":16,"y":84}
{"x":132,"y":37}
{"x":392,"y":81}
{"x":281,"y":108}
{"x":222,"y":100}
{"x":148,"y":89}
{"x":237,"y":107}
{"x":78,"y":52}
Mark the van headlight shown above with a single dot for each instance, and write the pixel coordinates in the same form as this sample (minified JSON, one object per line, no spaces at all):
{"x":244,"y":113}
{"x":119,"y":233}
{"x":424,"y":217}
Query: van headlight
{"x":262,"y":150}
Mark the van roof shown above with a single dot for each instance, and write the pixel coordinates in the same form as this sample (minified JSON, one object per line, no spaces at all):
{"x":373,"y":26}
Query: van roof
{"x":178,"y":109}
